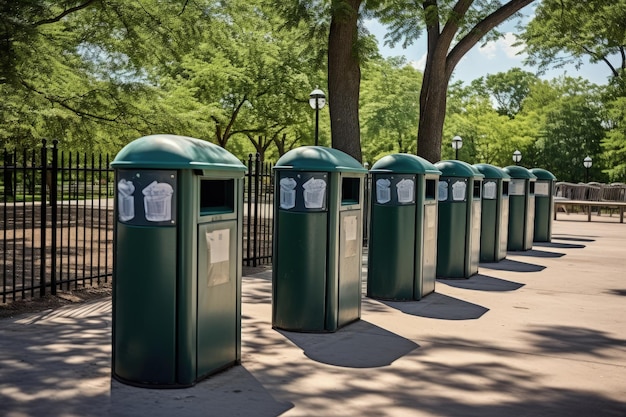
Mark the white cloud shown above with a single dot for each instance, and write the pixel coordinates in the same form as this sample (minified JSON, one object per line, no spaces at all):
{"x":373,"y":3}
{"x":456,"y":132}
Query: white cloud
{"x":505,"y":45}
{"x":420,"y":64}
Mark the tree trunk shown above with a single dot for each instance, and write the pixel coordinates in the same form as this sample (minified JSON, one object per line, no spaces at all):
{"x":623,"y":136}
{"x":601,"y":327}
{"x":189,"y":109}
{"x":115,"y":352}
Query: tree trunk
{"x":344,"y":78}
{"x":433,"y":99}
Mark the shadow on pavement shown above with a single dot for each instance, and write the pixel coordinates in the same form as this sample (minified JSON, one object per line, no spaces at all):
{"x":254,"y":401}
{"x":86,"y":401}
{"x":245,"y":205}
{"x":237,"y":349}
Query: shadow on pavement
{"x":357,"y":345}
{"x":537,"y":253}
{"x":558,"y":245}
{"x":515,"y":266}
{"x":482,"y":282}
{"x":439,"y":306}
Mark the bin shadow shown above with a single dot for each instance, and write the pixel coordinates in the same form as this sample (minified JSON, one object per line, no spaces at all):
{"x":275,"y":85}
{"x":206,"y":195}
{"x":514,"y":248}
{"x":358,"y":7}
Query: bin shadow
{"x":358,"y":345}
{"x":620,"y":292}
{"x":515,"y":266}
{"x":574,"y":238}
{"x":439,"y":306}
{"x":221,"y":394}
{"x":482,"y":282}
{"x":537,"y":253}
{"x":558,"y":245}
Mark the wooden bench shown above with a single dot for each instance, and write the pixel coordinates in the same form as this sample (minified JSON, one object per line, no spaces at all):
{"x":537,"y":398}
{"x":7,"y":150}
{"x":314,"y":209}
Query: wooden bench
{"x":620,"y":205}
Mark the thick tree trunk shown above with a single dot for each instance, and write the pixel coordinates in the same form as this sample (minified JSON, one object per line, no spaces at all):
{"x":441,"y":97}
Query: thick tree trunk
{"x":433,"y":99}
{"x":344,"y":78}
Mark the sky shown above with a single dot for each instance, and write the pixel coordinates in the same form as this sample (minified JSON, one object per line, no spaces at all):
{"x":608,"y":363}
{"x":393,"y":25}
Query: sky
{"x":494,"y":57}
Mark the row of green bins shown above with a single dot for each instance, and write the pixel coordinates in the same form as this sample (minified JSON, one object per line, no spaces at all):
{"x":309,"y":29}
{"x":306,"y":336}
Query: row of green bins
{"x":495,"y":213}
{"x":402,"y":244}
{"x":458,"y":233}
{"x":177,"y":261}
{"x":521,"y":208}
{"x":544,"y":204}
{"x":318,"y":232}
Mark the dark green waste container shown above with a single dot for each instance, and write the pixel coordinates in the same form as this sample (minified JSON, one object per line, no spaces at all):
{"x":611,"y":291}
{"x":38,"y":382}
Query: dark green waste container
{"x":544,"y":204}
{"x":177,"y":261}
{"x":318,"y":233}
{"x":494,"y":225}
{"x":458,"y":233}
{"x":521,"y":208}
{"x":402,"y":244}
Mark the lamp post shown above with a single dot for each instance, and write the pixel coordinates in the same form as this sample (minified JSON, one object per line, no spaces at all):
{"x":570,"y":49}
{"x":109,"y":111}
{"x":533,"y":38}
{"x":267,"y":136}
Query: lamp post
{"x":517,"y":156}
{"x":317,"y":100}
{"x":457,"y":143}
{"x":587,"y":162}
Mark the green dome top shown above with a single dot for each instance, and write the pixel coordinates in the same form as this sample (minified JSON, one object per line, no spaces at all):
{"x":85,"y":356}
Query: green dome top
{"x":542,"y":174}
{"x":176,"y":152}
{"x":516,"y":171}
{"x":492,"y":172}
{"x":457,"y":169}
{"x":404,"y":163}
{"x":319,"y":158}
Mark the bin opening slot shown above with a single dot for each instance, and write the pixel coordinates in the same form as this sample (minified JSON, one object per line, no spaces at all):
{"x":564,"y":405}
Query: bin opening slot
{"x":477,"y":189}
{"x":431,"y":189}
{"x":505,"y":188}
{"x":217,"y":196}
{"x":350,"y":189}
{"x":532,"y":188}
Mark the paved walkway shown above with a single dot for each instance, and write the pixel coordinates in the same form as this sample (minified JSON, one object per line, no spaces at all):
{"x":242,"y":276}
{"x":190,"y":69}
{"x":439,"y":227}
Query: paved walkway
{"x":542,"y":333}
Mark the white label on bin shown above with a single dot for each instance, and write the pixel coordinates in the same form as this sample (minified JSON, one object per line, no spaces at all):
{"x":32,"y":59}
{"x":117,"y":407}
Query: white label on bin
{"x":218,"y":245}
{"x":489,"y":190}
{"x":443,"y":190}
{"x":287,"y":193}
{"x":126,"y":201}
{"x":517,"y":187}
{"x":458,"y":190}
{"x":314,"y":192}
{"x":157,"y":201}
{"x":542,"y":188}
{"x":383,"y":192}
{"x":405,"y":189}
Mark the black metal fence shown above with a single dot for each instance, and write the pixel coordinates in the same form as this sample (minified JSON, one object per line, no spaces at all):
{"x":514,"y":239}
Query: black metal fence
{"x":56,"y":220}
{"x":56,"y":213}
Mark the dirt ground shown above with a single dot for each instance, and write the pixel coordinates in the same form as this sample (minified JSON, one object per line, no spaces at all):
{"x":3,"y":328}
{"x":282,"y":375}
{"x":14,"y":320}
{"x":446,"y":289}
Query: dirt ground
{"x":62,"y":298}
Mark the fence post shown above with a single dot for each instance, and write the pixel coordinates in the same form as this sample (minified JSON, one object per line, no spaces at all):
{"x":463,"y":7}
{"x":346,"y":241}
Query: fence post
{"x":249,"y":197}
{"x":53,"y":206}
{"x":257,"y":183}
{"x":44,"y":200}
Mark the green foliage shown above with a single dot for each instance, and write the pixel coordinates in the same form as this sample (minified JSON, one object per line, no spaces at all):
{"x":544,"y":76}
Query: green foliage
{"x":566,"y":31}
{"x":389,"y":108}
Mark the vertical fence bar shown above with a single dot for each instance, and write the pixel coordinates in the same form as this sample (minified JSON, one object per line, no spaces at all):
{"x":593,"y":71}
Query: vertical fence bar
{"x":26,"y":172}
{"x":249,"y":202}
{"x":84,"y":222}
{"x":5,"y":194}
{"x":44,"y":176}
{"x":33,"y":217}
{"x":99,"y":215}
{"x":53,"y":206}
{"x":106,"y":222}
{"x":256,"y":209}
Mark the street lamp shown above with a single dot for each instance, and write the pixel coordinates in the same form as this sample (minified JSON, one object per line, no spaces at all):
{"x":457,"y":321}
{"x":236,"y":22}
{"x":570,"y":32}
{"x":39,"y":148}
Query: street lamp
{"x":517,"y":156}
{"x":317,"y":100}
{"x":457,"y":143}
{"x":587,"y":162}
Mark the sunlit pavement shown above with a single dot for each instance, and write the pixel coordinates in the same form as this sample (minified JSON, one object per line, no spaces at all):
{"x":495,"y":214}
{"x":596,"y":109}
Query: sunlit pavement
{"x":542,"y":333}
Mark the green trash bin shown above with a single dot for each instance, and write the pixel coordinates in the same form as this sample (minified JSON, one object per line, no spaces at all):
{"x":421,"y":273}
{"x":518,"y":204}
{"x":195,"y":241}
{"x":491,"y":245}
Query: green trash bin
{"x":544,"y":204}
{"x":402,"y":244}
{"x":494,"y":225}
{"x":318,"y":229}
{"x":521,"y":208}
{"x":458,"y":232}
{"x":177,"y":261}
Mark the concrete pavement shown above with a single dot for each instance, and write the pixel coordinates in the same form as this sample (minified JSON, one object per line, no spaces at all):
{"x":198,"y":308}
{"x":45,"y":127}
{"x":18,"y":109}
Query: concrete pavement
{"x":542,"y":333}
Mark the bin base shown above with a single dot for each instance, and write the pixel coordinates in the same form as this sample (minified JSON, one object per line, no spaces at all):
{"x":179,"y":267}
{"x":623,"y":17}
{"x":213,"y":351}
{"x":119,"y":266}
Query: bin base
{"x":177,"y":385}
{"x":315,"y":331}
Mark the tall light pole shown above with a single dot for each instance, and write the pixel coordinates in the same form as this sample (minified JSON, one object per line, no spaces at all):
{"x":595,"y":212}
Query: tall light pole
{"x":457,"y":143}
{"x":317,"y":100}
{"x":587,"y":162}
{"x":517,"y":156}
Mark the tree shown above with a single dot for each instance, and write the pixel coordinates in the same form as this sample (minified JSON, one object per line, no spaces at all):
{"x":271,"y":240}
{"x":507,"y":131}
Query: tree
{"x":389,"y":105}
{"x":566,"y":31}
{"x":453,"y":28}
{"x":509,"y":89}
